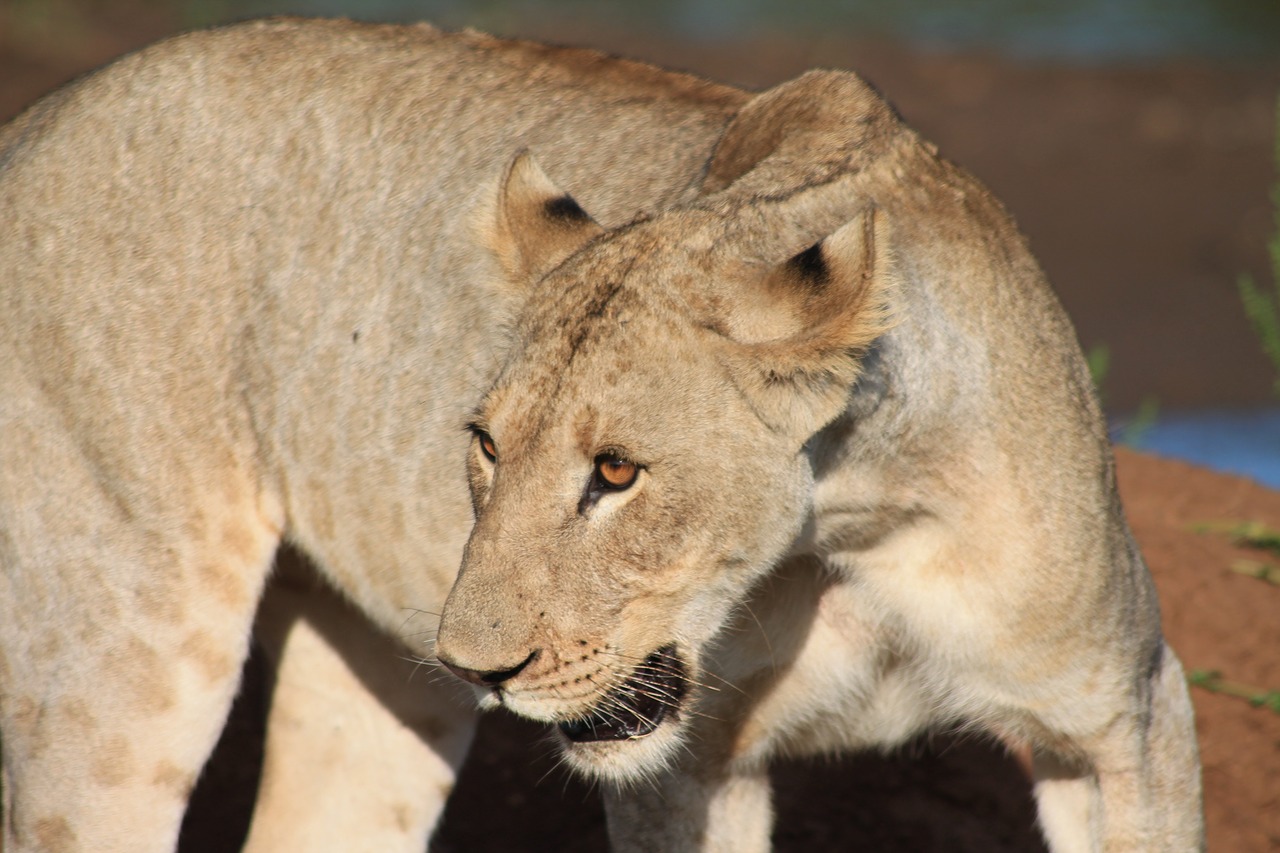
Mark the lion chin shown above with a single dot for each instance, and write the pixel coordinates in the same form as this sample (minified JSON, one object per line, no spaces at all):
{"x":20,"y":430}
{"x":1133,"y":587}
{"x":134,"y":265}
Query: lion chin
{"x":624,"y":762}
{"x":630,"y":732}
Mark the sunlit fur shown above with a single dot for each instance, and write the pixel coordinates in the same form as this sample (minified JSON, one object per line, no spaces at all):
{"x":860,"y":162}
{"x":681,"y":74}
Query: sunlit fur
{"x":267,"y":286}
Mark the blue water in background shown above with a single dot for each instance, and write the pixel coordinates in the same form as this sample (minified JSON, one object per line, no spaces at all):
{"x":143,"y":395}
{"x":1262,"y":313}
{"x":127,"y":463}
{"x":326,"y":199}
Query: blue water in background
{"x":1245,"y":442}
{"x":1072,"y":30}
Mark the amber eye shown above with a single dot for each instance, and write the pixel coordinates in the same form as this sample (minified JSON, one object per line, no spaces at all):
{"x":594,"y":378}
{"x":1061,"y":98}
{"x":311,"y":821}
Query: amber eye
{"x":615,"y":474}
{"x":487,"y":447}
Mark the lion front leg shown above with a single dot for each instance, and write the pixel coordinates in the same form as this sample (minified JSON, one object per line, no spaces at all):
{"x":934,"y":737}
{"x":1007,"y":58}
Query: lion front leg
{"x":1139,"y":788}
{"x":120,"y":652}
{"x":724,"y":812}
{"x":362,"y":749}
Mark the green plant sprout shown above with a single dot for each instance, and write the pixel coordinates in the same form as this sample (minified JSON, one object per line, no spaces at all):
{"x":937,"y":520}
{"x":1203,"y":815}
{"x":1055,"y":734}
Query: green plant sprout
{"x":1099,"y":360}
{"x":1213,"y":681}
{"x":1131,"y":431}
{"x":1246,"y":534}
{"x":1250,"y":534}
{"x":1263,"y":309}
{"x":1257,"y":569}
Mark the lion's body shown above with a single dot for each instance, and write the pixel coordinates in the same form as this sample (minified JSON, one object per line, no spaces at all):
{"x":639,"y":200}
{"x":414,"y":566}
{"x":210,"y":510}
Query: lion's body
{"x":253,"y":290}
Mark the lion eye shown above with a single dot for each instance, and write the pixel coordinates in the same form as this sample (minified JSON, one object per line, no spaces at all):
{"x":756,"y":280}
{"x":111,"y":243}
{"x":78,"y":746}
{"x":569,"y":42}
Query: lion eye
{"x":487,"y":447}
{"x":615,"y":474}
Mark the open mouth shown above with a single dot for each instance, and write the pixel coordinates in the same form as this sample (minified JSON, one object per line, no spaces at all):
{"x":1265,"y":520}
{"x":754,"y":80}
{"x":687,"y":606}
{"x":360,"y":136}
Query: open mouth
{"x":636,"y":707}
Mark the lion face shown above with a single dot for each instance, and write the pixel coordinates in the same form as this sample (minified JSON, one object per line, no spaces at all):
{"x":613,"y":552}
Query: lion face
{"x":625,"y":500}
{"x":636,"y":466}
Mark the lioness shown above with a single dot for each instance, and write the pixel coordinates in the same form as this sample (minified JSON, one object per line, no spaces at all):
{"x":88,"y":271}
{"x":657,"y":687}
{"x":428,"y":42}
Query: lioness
{"x":776,"y":442}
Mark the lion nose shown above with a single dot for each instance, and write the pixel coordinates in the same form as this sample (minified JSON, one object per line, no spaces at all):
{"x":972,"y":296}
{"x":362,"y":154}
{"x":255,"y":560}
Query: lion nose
{"x":488,"y":678}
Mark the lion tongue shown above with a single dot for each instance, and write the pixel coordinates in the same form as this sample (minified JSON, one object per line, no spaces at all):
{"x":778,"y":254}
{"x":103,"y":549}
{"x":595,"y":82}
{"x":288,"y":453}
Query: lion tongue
{"x":637,"y":707}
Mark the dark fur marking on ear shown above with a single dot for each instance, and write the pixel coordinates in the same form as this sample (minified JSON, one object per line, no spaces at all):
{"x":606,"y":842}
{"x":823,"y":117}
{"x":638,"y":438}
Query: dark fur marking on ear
{"x":565,"y":209}
{"x":811,"y":265}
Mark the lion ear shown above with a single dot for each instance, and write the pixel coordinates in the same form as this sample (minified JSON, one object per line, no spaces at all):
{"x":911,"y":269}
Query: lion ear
{"x":833,"y":115}
{"x":536,"y":225}
{"x":798,"y":337}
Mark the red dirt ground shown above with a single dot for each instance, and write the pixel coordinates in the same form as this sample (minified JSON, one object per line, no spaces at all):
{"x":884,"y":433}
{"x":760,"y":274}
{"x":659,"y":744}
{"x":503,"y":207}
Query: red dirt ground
{"x":1144,"y":193}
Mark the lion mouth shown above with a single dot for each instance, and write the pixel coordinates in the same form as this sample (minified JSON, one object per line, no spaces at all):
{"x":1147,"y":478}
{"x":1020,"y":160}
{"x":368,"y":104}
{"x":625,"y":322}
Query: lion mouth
{"x":636,"y":707}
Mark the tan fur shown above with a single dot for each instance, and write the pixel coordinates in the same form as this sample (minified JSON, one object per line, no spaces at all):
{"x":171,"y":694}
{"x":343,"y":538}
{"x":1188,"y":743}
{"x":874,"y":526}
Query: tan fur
{"x":258,"y":280}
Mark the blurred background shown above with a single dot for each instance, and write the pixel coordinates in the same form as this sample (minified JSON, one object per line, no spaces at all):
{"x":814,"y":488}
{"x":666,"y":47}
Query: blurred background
{"x":1132,"y":139}
{"x":1134,"y":142}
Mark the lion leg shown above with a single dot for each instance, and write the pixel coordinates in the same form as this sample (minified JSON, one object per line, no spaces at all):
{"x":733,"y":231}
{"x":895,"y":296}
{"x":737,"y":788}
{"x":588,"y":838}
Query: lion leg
{"x":121,"y":656}
{"x":724,"y":813}
{"x":1066,"y":804}
{"x":363,"y":746}
{"x":1174,"y":757}
{"x":1140,"y":790}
